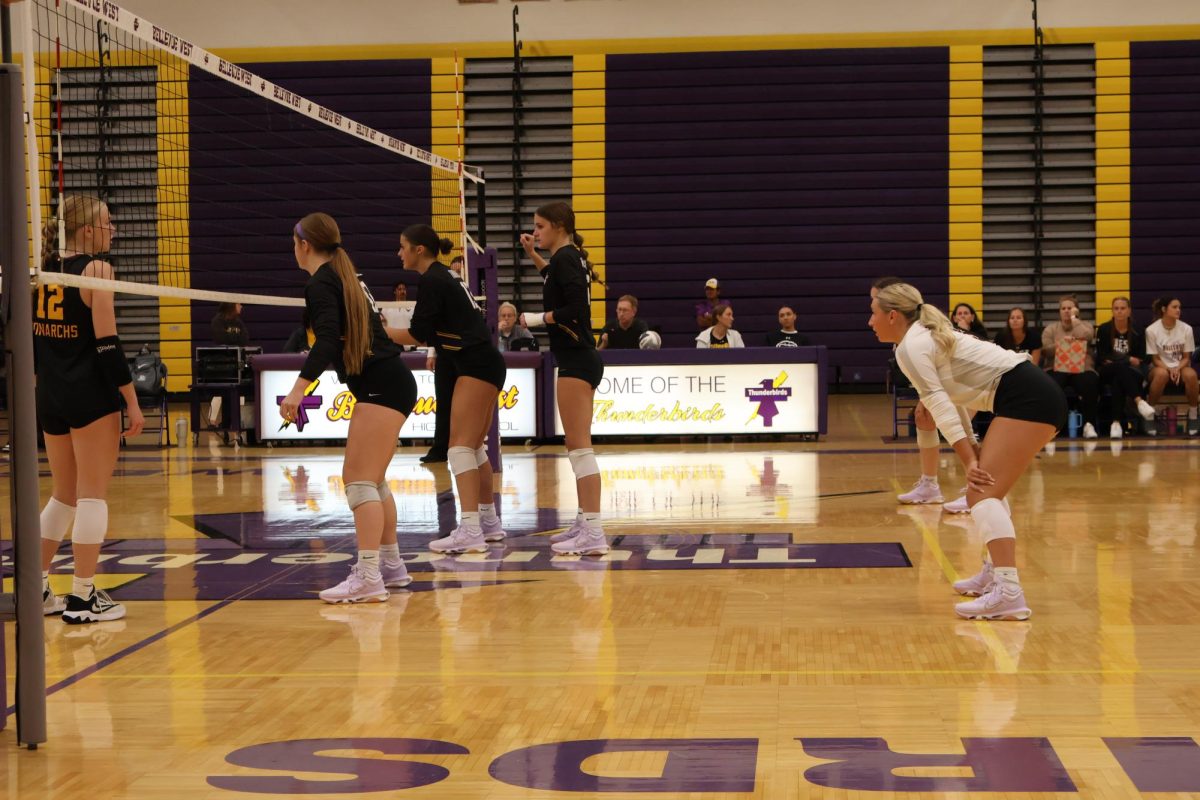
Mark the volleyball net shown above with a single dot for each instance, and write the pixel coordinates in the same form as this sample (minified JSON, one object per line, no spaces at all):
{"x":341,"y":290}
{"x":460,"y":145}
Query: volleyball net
{"x":206,"y":165}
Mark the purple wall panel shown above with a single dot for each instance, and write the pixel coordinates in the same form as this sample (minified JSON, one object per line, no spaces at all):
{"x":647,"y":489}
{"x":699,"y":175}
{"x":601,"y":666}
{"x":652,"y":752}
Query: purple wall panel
{"x":792,"y":176}
{"x":257,"y":168}
{"x":1165,"y":175}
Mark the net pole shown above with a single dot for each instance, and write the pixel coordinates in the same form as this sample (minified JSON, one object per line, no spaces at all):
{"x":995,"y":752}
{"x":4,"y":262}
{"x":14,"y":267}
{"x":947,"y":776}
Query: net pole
{"x":25,"y":501}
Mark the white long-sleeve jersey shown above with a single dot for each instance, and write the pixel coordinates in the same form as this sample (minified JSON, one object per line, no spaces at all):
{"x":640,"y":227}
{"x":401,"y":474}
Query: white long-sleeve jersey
{"x":968,"y":379}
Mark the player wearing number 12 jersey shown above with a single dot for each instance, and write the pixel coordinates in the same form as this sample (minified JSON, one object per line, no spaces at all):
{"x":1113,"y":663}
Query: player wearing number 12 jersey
{"x":82,"y":376}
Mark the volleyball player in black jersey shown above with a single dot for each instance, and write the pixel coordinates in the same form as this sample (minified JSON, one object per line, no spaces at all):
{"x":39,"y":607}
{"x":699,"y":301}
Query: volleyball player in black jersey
{"x":82,"y":377}
{"x":351,"y":338}
{"x":566,"y":296}
{"x":448,"y":317}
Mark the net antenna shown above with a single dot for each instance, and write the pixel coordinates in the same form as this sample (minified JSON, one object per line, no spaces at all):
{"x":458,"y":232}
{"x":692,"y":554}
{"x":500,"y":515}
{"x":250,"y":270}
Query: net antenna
{"x":116,"y":96}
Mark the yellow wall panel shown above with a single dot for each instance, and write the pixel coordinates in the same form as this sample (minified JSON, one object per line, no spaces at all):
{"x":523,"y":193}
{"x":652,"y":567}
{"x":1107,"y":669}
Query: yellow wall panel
{"x":967,"y":71}
{"x":583,"y":98}
{"x":1112,"y":192}
{"x":960,"y":231}
{"x":967,"y":195}
{"x":588,"y":80}
{"x":1112,"y":210}
{"x":1115,"y":121}
{"x":1105,"y":139}
{"x":587,"y":115}
{"x":587,"y":133}
{"x":1113,"y":263}
{"x":588,"y":168}
{"x":1111,"y":88}
{"x":1112,"y":175}
{"x":1112,"y":229}
{"x":965,"y":213}
{"x":1112,"y":103}
{"x":966,"y":53}
{"x":581,"y":185}
{"x":966,"y":124}
{"x":1112,"y":50}
{"x":1112,"y":157}
{"x":1112,"y":281}
{"x":966,"y":142}
{"x":967,"y":160}
{"x":1112,"y":247}
{"x":966,"y":177}
{"x":966,"y":249}
{"x":964,"y":267}
{"x":587,"y":151}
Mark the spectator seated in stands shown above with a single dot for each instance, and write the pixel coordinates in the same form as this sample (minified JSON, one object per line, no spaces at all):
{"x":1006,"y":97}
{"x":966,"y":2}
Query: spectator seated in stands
{"x":625,"y":332}
{"x":512,"y":336}
{"x":1015,"y":336}
{"x":705,"y":317}
{"x":1121,"y":357}
{"x":787,"y":335}
{"x":721,"y":334}
{"x":1067,"y":342}
{"x":967,"y":321}
{"x":1170,"y":344}
{"x":302,"y":339}
{"x":398,"y":317}
{"x":228,"y":327}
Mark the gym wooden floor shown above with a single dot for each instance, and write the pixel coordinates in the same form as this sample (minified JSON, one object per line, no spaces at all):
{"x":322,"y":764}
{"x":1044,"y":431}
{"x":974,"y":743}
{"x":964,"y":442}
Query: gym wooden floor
{"x":770,"y":625}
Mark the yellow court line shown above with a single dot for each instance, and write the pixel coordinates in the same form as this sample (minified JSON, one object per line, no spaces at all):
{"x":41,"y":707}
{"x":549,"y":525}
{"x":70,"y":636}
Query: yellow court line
{"x":633,"y":673}
{"x":1004,"y":662}
{"x":859,"y":423}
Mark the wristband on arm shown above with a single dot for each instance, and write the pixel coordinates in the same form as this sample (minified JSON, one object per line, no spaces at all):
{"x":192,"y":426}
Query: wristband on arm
{"x":112,"y":361}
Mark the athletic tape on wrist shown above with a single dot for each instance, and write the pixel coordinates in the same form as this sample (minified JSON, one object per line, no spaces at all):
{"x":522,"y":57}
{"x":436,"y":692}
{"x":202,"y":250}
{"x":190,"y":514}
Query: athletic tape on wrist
{"x":534,"y":320}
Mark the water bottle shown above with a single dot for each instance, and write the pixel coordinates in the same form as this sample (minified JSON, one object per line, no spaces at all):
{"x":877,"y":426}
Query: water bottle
{"x":181,"y":427}
{"x":1074,"y":423}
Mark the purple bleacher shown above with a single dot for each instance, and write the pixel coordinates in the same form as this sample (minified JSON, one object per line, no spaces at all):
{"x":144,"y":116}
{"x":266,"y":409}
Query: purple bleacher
{"x":795,"y":177}
{"x":1165,"y":175}
{"x":249,"y":187}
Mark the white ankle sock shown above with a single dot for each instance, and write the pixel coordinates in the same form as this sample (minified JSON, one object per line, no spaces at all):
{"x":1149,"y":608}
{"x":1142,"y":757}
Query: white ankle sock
{"x":487,"y":512}
{"x":1007,"y":574}
{"x":929,"y":478}
{"x":82,"y":587}
{"x":1193,"y":412}
{"x":389,"y":553}
{"x":46,"y":580}
{"x":470,"y":519}
{"x":368,"y":563}
{"x":591,"y":519}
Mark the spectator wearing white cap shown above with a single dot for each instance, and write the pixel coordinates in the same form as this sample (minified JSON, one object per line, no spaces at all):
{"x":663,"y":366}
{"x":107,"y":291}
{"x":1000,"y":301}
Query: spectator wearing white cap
{"x":712,"y":299}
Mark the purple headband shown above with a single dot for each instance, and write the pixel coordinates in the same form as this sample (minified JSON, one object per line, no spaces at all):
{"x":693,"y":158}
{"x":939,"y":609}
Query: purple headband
{"x":300,"y":235}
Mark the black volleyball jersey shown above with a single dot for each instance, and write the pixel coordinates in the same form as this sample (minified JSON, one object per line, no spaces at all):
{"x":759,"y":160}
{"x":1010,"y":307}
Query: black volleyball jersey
{"x":326,"y":306}
{"x":63,"y":336}
{"x":567,"y":292}
{"x":446,"y":315}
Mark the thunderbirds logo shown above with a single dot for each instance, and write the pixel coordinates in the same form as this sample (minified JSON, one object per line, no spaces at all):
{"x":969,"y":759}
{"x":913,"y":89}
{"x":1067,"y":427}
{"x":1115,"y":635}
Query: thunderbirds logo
{"x":309,"y":402}
{"x":769,"y":393}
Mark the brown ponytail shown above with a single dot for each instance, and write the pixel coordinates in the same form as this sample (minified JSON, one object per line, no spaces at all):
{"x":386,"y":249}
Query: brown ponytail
{"x":321,"y":231}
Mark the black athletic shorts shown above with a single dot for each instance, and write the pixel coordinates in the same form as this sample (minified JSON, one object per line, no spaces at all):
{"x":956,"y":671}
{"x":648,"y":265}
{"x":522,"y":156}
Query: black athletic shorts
{"x":483,"y":362}
{"x":1027,"y":393}
{"x":385,"y":383}
{"x":60,"y":412}
{"x":583,"y":363}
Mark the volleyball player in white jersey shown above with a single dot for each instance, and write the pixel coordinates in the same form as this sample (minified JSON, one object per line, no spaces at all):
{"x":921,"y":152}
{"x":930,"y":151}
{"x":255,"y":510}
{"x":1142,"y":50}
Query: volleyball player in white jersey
{"x":926,"y":490}
{"x":950,"y":369}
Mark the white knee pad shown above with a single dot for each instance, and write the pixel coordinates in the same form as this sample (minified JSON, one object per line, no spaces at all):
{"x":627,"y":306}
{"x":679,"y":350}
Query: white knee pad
{"x":927,"y":439}
{"x":481,"y":456}
{"x":56,"y":520}
{"x":385,"y":491}
{"x":583,"y":462}
{"x":993,"y":520}
{"x":462,"y":459}
{"x":91,"y":521}
{"x":359,"y":492}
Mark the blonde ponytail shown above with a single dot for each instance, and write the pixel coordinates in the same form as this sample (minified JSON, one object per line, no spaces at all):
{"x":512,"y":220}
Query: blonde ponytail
{"x":907,"y":301}
{"x":74,"y":211}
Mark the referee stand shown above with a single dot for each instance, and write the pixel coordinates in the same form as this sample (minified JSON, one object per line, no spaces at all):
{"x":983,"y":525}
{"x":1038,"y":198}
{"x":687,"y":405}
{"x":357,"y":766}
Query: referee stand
{"x":24,"y":604}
